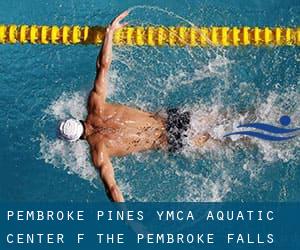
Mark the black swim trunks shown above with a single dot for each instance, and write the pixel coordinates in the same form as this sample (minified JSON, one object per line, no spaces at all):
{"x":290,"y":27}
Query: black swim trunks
{"x":177,"y":125}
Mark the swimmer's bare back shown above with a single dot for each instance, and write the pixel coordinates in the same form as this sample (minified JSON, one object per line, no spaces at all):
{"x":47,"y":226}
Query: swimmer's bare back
{"x":113,"y":129}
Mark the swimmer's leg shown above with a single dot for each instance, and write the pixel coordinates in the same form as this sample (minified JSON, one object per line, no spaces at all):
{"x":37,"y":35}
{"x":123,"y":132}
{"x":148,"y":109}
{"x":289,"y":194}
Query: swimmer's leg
{"x":200,"y":140}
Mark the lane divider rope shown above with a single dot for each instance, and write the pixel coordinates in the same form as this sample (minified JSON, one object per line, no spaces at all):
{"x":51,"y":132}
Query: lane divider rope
{"x":152,"y":35}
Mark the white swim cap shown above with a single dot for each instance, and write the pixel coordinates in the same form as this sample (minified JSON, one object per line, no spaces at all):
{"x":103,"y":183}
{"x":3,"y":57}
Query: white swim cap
{"x":70,"y":130}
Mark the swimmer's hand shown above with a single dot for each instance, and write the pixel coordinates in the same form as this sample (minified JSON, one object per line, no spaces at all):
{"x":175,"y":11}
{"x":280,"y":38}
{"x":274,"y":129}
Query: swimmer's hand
{"x":115,"y":24}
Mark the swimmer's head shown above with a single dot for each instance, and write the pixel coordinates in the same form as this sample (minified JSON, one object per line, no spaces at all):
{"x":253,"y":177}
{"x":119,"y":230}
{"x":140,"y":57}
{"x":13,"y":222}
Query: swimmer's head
{"x":70,"y":130}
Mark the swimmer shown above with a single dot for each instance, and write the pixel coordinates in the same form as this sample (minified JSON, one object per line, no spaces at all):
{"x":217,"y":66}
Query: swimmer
{"x":114,"y":130}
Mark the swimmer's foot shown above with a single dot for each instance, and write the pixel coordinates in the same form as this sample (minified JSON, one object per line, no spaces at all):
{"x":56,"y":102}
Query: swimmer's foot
{"x":200,"y":140}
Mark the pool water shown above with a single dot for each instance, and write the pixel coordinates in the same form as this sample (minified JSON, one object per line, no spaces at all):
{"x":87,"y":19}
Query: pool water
{"x":43,"y":84}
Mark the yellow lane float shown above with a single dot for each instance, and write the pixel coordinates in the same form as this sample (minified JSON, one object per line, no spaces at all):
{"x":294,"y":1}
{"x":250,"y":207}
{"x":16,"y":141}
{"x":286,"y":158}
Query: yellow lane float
{"x":152,"y":35}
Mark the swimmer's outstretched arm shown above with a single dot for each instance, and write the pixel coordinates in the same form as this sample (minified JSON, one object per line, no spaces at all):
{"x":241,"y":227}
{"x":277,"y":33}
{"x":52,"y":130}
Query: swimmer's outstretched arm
{"x":105,"y":56}
{"x":103,"y":164}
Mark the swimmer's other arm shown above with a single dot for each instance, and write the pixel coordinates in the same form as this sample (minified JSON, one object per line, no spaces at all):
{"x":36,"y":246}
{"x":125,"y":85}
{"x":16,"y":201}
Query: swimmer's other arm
{"x":102,"y":162}
{"x":105,"y":56}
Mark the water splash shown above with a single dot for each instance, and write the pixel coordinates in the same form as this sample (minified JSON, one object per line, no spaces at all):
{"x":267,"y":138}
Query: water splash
{"x":211,"y":84}
{"x":73,"y":158}
{"x":192,"y":185}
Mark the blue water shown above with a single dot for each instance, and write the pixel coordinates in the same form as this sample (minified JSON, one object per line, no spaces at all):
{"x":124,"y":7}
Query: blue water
{"x":42,"y":84}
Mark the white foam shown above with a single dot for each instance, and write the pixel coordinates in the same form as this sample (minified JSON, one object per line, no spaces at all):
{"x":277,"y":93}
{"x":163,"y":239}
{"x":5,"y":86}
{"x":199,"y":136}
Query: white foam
{"x":68,"y":105}
{"x":217,"y":121}
{"x":72,"y":157}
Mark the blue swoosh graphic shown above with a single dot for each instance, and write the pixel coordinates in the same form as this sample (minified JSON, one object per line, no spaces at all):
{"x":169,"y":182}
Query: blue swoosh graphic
{"x":261,"y":136}
{"x":269,"y":128}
